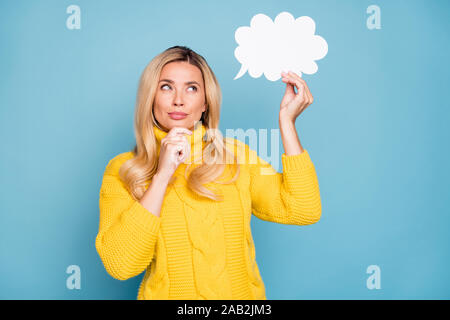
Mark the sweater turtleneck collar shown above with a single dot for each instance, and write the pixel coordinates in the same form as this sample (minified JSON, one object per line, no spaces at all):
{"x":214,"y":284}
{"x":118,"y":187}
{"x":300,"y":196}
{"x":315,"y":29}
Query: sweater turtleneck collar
{"x":196,"y":140}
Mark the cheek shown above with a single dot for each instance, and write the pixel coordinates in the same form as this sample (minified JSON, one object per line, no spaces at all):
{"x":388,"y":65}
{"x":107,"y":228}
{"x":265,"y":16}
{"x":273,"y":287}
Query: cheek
{"x":198,"y":100}
{"x":158,"y":107}
{"x":160,"y":102}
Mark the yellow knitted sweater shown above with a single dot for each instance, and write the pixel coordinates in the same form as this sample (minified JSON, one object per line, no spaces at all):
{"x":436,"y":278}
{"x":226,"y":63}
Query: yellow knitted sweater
{"x":199,"y":248}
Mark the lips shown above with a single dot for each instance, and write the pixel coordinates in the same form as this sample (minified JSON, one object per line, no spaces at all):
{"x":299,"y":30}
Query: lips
{"x":177,"y":115}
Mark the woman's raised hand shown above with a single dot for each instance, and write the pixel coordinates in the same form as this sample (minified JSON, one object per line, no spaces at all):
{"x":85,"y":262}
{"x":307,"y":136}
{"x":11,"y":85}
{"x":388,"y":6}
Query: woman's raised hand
{"x":293,"y":104}
{"x":175,"y":149}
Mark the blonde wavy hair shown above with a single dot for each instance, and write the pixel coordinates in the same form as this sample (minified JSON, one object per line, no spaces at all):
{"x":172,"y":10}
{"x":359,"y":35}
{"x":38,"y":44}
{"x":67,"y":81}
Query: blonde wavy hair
{"x":142,"y":167}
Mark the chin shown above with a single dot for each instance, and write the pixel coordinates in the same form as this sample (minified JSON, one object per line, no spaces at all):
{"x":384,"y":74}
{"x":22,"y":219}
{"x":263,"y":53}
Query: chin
{"x":176,"y":123}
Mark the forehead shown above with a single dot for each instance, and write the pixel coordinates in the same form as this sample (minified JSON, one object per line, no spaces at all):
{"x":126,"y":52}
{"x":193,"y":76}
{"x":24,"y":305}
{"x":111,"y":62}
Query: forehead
{"x":181,"y":71}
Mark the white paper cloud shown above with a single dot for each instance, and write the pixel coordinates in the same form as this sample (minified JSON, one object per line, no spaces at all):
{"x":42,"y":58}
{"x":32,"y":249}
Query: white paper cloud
{"x":284,"y":44}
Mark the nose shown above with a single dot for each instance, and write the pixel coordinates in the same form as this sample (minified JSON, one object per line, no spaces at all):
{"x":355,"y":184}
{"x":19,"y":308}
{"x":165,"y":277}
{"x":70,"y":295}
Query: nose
{"x":178,"y":99}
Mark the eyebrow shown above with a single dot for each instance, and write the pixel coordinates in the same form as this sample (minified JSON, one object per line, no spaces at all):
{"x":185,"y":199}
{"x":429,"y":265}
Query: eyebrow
{"x":188,"y":82}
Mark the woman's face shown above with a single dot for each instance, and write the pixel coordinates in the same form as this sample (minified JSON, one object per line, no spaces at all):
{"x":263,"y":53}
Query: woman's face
{"x":180,"y":89}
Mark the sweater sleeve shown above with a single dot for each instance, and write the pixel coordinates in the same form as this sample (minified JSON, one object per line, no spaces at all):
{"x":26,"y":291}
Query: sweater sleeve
{"x":127,"y":231}
{"x":291,"y":197}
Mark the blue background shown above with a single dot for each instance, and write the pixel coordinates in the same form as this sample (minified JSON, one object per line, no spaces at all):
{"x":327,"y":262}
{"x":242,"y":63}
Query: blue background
{"x":377,"y":134}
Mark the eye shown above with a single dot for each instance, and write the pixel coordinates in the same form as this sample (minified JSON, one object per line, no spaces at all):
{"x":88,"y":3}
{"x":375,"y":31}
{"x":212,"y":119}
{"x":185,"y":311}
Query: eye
{"x":164,"y":86}
{"x":193,"y":87}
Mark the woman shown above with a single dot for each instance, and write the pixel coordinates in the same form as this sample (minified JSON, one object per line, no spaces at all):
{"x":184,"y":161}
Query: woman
{"x":177,"y":209}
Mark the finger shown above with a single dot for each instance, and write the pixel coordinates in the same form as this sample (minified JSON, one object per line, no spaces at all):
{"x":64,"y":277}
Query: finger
{"x":295,"y":83}
{"x":174,"y":139}
{"x":179,"y":130}
{"x":180,"y":141}
{"x":310,"y":97}
{"x":299,"y":81}
{"x":296,"y":76}
{"x":302,"y":96}
{"x":185,"y":150}
{"x":289,"y":81}
{"x":177,"y":138}
{"x":177,"y":148}
{"x":289,"y":87}
{"x":173,"y":144}
{"x":307,"y":97}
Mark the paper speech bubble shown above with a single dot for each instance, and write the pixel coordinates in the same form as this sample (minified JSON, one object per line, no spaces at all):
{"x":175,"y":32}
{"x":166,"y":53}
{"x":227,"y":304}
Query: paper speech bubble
{"x":284,"y":44}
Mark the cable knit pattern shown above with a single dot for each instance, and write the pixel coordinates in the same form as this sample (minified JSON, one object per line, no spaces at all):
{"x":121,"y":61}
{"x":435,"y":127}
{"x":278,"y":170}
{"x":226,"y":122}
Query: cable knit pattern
{"x":199,"y":248}
{"x":208,"y":249}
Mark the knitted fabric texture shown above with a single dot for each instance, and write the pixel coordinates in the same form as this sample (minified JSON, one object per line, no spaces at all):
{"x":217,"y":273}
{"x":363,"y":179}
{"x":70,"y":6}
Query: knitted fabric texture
{"x":199,"y":248}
